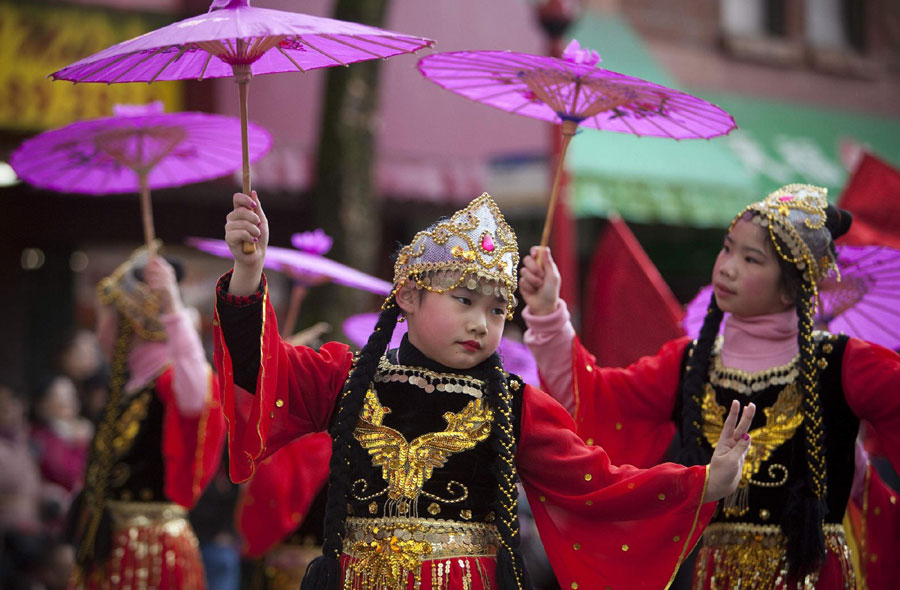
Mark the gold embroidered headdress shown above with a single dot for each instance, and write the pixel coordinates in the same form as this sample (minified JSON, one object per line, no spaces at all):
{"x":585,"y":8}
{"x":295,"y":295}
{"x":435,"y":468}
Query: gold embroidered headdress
{"x":475,"y":249}
{"x":795,"y":215}
{"x":132,"y":298}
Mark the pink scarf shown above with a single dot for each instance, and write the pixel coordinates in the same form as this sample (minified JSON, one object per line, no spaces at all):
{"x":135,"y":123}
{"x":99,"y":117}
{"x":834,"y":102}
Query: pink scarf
{"x":757,"y":343}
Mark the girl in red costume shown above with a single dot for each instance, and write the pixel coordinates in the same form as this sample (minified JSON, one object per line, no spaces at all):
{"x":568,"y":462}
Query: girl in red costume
{"x":158,"y":442}
{"x":430,"y":439}
{"x":782,"y":527}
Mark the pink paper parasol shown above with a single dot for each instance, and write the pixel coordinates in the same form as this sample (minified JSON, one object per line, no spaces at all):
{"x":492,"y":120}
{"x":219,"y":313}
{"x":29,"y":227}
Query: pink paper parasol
{"x":244,"y":41}
{"x":138,"y":149}
{"x":864,"y":304}
{"x":516,"y":356}
{"x":303,"y":264}
{"x":573,"y":91}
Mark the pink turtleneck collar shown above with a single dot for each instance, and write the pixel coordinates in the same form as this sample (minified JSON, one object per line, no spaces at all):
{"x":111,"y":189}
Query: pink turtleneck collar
{"x":758,"y":343}
{"x":146,"y":360}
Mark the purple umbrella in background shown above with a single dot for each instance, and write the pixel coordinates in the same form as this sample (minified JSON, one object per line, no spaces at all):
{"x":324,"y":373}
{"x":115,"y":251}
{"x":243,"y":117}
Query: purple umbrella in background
{"x":300,"y":263}
{"x":516,"y":356}
{"x":235,"y":39}
{"x":864,"y":304}
{"x":572,"y":91}
{"x":138,"y":149}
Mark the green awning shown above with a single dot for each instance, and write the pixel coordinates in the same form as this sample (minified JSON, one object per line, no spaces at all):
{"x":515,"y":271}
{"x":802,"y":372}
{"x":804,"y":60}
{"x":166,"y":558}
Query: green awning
{"x":649,"y":179}
{"x":702,"y":183}
{"x":780,"y":143}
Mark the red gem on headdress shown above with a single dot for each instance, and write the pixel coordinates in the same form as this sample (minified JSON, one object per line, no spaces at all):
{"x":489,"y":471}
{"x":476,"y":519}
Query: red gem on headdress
{"x":786,"y":198}
{"x":487,"y":244}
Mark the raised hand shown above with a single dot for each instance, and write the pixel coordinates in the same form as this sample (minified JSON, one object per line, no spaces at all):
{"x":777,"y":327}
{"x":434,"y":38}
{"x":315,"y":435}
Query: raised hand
{"x":539,"y":283}
{"x":247,"y":222}
{"x":728,"y":458}
{"x":160,"y":277}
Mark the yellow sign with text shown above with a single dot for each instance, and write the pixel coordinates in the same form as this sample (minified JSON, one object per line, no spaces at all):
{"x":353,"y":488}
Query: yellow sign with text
{"x":36,"y":40}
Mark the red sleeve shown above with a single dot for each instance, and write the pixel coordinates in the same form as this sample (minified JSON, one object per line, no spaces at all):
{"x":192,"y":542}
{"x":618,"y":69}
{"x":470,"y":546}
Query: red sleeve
{"x":296,"y":388}
{"x":875,"y":525}
{"x":870,"y":376}
{"x":628,"y":410}
{"x":605,"y":526}
{"x":277,"y":498}
{"x":192,"y":446}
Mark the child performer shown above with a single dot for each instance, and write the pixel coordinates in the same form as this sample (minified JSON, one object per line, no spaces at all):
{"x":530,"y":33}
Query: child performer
{"x":158,"y":442}
{"x":430,"y":439}
{"x":782,"y":528}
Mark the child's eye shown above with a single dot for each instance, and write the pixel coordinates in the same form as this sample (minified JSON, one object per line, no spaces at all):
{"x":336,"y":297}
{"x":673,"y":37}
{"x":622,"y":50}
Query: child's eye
{"x":725,"y":248}
{"x":499,"y":311}
{"x":751,"y":260}
{"x":464,"y":300}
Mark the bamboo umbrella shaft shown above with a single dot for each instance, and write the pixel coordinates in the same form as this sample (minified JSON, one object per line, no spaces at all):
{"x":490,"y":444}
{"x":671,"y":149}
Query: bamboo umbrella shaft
{"x":568,"y":132}
{"x":243,"y":75}
{"x":147,"y":214}
{"x":298,"y":293}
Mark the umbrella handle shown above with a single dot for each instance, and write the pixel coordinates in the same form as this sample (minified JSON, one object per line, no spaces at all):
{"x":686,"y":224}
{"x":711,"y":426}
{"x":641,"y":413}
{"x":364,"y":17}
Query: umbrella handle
{"x":147,"y":214}
{"x":242,"y":73}
{"x":568,"y":132}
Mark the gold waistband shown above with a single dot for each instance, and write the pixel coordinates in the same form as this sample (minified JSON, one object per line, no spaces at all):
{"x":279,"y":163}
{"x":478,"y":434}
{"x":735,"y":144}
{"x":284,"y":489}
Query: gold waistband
{"x":421,"y":538}
{"x":137,"y":514}
{"x":722,"y":534}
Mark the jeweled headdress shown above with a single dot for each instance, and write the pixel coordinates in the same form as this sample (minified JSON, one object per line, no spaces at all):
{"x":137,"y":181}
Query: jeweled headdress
{"x":132,"y":298}
{"x":475,"y":249}
{"x":795,"y":215}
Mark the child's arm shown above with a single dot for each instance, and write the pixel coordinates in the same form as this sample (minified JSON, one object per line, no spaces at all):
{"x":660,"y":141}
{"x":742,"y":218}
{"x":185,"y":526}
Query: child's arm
{"x":626,"y":410}
{"x":191,"y":379}
{"x":601,"y":523}
{"x":272,"y":392}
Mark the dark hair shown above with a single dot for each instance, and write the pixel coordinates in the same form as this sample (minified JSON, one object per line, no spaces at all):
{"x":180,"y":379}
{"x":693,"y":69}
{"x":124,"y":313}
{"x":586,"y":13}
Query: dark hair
{"x":805,"y":509}
{"x":324,"y":573}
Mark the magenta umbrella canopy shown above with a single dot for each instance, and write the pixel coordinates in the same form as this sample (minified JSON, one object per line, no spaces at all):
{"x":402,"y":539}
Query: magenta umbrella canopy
{"x":864,"y":304}
{"x":109,"y":155}
{"x":573,"y":88}
{"x":516,"y":356}
{"x":237,"y":34}
{"x":303,"y":264}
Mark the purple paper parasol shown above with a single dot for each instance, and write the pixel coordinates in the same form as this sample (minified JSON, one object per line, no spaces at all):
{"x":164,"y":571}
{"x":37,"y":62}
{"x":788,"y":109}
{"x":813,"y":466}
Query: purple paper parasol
{"x":138,"y":149}
{"x":303,"y":264}
{"x":235,"y":39}
{"x":864,"y":304}
{"x":516,"y":356}
{"x":573,"y":91}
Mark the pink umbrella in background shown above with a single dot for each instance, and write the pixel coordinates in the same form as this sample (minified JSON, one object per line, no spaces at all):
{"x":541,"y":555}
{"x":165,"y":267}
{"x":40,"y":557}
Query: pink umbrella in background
{"x":516,"y":356}
{"x":574,"y":92}
{"x":235,"y":39}
{"x":864,"y":304}
{"x":138,"y":149}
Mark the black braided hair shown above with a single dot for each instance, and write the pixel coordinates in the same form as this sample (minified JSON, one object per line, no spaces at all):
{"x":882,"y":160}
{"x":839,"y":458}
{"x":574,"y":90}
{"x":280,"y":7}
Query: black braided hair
{"x":511,"y":572}
{"x":804,"y":512}
{"x":324,"y":573}
{"x":696,"y":375}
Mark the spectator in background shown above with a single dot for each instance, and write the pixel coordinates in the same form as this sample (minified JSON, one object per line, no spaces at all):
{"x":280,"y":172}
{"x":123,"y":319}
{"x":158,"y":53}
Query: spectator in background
{"x":61,"y":437}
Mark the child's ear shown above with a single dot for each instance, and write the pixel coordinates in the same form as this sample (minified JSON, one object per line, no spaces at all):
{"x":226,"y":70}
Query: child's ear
{"x":407,"y":298}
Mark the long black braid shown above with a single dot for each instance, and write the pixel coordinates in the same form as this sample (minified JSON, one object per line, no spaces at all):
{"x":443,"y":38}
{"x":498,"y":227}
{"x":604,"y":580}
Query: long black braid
{"x":511,"y":573}
{"x":324,"y":573}
{"x":696,"y":375}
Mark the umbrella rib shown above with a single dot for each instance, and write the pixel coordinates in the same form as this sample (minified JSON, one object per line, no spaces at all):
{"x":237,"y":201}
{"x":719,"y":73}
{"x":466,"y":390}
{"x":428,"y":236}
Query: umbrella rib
{"x":137,"y":63}
{"x":104,"y":66}
{"x":306,"y":42}
{"x":389,"y":46}
{"x":350,"y":45}
{"x":291,"y":59}
{"x":176,"y":57}
{"x":205,"y":65}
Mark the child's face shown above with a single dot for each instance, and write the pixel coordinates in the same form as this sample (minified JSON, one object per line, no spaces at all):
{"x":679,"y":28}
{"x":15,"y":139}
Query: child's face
{"x":459,"y":328}
{"x":746,"y":277}
{"x":60,"y":401}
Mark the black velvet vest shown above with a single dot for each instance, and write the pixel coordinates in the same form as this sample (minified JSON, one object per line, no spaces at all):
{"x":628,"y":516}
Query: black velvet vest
{"x":777,"y":454}
{"x":421,"y":397}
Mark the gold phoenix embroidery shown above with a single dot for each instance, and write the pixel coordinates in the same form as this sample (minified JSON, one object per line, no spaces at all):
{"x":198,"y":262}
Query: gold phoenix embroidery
{"x":782,"y":420}
{"x":406,"y":466}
